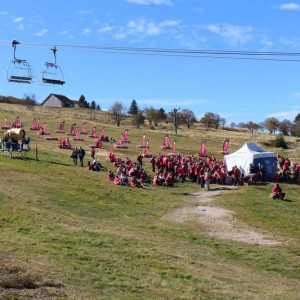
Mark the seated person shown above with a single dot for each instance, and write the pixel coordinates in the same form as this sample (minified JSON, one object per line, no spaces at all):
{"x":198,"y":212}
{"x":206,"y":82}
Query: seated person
{"x":155,"y":179}
{"x":117,"y":180}
{"x":97,"y":165}
{"x":135,"y":183}
{"x":277,"y":192}
{"x":110,"y":175}
{"x":124,"y":179}
{"x":89,"y":167}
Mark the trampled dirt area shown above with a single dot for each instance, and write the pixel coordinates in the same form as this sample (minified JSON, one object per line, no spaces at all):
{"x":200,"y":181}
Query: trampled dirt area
{"x":219,"y":222}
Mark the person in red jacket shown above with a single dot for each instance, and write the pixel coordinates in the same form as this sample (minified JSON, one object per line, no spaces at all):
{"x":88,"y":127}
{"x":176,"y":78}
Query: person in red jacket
{"x":277,"y":192}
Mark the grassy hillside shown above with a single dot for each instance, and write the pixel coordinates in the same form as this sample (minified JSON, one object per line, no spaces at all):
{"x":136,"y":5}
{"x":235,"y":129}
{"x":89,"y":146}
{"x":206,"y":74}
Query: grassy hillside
{"x":67,"y":233}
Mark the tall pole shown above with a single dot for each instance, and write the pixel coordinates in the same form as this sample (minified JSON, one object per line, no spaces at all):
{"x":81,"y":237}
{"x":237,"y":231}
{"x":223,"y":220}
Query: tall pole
{"x":175,"y":120}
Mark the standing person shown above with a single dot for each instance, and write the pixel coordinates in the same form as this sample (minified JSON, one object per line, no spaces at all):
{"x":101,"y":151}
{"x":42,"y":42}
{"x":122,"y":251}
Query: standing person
{"x":81,"y":154}
{"x":242,"y":175}
{"x":93,"y":152}
{"x":153,"y":162}
{"x":261,"y":173}
{"x":207,"y":178}
{"x":236,"y":175}
{"x":74,"y":155}
{"x":140,"y":159}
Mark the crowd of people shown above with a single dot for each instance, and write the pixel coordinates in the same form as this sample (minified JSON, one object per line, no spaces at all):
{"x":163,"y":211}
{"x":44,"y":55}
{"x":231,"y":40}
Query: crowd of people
{"x":128,"y":173}
{"x":170,"y":169}
{"x":287,"y":171}
{"x":176,"y":168}
{"x":167,"y":170}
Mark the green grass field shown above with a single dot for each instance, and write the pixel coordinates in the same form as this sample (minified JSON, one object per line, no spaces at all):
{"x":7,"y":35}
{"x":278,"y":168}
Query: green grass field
{"x":67,"y":233}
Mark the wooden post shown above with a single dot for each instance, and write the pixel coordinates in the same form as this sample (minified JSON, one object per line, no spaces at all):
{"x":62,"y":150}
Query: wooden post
{"x":36,"y":152}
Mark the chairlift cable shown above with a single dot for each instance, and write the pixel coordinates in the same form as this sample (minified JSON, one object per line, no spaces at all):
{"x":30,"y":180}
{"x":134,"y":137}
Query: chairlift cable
{"x":197,"y":53}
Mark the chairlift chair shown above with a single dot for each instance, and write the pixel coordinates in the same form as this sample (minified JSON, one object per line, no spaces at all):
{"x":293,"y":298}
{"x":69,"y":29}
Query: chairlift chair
{"x":52,"y":73}
{"x":19,"y":70}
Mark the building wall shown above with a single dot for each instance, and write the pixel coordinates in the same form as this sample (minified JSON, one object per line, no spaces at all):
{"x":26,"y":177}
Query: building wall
{"x":53,"y":102}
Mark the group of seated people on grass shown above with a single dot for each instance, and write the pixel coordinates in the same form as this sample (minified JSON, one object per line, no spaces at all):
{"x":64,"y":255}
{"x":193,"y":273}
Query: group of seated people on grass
{"x":287,"y":171}
{"x":128,"y":173}
{"x":95,"y":165}
{"x":170,"y":169}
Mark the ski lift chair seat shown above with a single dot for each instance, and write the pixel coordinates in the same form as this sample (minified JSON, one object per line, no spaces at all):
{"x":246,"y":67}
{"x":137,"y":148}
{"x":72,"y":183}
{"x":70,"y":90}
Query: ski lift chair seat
{"x":53,"y":81}
{"x":20,"y":79}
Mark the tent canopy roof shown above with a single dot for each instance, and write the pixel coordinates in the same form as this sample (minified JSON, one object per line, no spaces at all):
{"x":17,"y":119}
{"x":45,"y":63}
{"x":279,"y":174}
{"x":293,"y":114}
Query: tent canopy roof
{"x":247,"y":155}
{"x":253,"y":150}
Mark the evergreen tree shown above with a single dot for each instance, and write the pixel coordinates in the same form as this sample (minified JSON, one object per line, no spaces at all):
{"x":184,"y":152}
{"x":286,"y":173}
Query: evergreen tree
{"x":163,"y":114}
{"x":297,"y":118}
{"x":93,"y":105}
{"x":280,"y":141}
{"x":134,"y":109}
{"x":83,"y":101}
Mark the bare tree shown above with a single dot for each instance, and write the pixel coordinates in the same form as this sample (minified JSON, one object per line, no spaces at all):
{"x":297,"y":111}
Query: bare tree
{"x":252,"y":126}
{"x":295,"y":130}
{"x":138,"y":119}
{"x":118,"y":112}
{"x":29,"y":101}
{"x":285,"y":127}
{"x":210,"y":120}
{"x":187,"y":117}
{"x":154,"y":115}
{"x":271,"y":124}
{"x":223,"y":122}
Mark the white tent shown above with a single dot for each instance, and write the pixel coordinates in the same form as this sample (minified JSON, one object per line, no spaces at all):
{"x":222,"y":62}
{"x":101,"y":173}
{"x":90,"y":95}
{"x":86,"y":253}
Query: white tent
{"x":250,"y":153}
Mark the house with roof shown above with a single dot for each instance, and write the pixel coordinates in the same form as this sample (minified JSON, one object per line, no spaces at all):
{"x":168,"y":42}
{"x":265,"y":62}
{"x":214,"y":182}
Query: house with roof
{"x":56,"y":100}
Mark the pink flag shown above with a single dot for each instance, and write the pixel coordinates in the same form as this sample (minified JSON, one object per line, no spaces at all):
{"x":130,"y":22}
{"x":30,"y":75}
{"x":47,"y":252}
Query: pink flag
{"x":76,"y":133}
{"x":62,"y":126}
{"x":126,"y":134}
{"x":33,"y":124}
{"x":202,"y":151}
{"x":143,"y":140}
{"x":225,"y":146}
{"x":166,"y":142}
{"x":102,"y":133}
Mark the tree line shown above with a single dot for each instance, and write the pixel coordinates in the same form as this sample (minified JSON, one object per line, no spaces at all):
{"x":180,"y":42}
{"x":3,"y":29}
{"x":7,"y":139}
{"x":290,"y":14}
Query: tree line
{"x":209,"y":120}
{"x":179,"y":117}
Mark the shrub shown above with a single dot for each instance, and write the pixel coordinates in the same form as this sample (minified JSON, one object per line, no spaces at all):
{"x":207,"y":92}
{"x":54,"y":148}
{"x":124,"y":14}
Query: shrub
{"x":280,"y":142}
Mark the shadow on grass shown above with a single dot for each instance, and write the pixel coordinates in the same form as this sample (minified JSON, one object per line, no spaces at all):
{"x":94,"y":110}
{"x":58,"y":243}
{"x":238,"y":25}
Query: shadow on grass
{"x":43,"y":161}
{"x":286,"y":200}
{"x":220,"y":188}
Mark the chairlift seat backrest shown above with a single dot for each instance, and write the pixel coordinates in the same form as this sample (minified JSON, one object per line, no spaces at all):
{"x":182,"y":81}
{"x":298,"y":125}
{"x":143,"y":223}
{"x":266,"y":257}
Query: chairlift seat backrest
{"x":53,"y":81}
{"x":20,"y":79}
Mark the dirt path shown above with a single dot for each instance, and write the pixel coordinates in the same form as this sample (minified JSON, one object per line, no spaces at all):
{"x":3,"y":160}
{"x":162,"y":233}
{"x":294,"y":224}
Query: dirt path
{"x":219,"y":222}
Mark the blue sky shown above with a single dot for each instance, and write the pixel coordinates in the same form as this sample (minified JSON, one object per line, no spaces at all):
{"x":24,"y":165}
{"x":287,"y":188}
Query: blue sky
{"x":240,"y":90}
